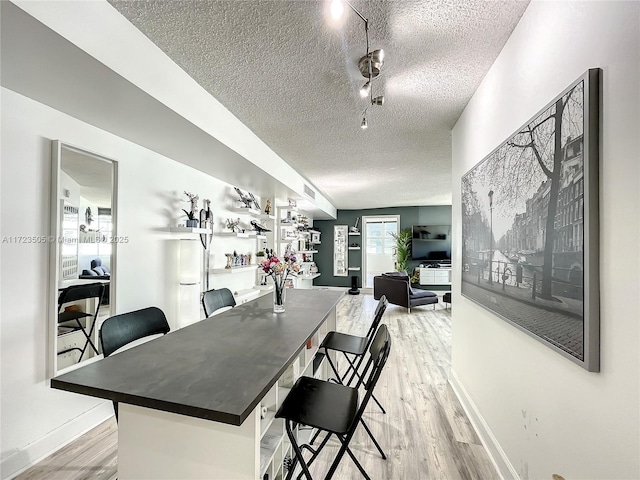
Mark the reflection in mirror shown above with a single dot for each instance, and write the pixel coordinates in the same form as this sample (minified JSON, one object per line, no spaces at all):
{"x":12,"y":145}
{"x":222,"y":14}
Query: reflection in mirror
{"x":82,"y":254}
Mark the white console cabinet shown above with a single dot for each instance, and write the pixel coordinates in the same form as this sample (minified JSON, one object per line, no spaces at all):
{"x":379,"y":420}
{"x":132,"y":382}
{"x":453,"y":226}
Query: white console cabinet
{"x":435,"y":276}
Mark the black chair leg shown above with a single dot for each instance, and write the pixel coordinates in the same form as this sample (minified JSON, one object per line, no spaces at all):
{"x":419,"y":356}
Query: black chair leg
{"x":345,"y":449}
{"x":315,"y":452}
{"x":87,"y":336}
{"x":298,"y":452}
{"x":373,"y":439}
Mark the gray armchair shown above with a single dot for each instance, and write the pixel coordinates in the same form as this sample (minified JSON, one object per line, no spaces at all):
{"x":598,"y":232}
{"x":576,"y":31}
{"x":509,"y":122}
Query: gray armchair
{"x":397,"y":288}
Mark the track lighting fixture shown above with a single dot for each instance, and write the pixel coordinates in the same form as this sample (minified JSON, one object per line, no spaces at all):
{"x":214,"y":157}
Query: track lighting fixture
{"x":370,"y":65}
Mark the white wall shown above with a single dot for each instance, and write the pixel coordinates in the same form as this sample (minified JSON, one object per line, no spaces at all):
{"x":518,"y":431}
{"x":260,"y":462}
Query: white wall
{"x":547,"y":414}
{"x":36,"y":419}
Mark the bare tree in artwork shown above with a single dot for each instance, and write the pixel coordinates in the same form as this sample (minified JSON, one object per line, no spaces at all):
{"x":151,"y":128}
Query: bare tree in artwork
{"x":538,"y":148}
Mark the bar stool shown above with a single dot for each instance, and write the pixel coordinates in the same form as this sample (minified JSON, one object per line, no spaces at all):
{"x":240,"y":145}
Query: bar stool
{"x":215,"y":300}
{"x":333,"y":408}
{"x":75,"y":293}
{"x":127,"y":330}
{"x":354,"y":345}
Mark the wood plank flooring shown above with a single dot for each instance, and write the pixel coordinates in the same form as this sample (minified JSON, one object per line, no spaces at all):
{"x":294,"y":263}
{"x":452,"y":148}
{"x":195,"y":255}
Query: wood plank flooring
{"x":425,"y":433}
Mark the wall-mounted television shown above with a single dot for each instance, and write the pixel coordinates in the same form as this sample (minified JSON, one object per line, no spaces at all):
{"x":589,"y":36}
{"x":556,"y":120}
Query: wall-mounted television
{"x":431,"y":243}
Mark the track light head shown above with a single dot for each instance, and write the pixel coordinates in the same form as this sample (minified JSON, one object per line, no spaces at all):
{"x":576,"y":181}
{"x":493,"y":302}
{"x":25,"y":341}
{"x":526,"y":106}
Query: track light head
{"x":366,"y":88}
{"x":337,"y":9}
{"x":378,"y":56}
{"x":363,"y":124}
{"x":379,"y":100}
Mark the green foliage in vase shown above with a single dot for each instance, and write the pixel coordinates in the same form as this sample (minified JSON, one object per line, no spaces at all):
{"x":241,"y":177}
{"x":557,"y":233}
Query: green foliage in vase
{"x":403,"y":249}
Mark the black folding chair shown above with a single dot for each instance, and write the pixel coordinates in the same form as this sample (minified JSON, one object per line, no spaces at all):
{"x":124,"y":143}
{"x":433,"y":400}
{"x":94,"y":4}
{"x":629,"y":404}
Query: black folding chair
{"x":334,"y":409}
{"x":214,"y":300}
{"x":76,"y":293}
{"x":121,"y":330}
{"x":355,"y":346}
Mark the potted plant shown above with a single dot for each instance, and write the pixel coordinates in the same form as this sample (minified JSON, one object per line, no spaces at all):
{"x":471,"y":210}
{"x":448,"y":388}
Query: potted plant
{"x":192,"y":221}
{"x":403,"y":249}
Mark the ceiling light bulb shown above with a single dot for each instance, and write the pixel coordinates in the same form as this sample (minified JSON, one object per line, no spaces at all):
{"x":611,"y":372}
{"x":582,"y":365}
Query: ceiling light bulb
{"x":378,"y":100}
{"x":366,"y":88}
{"x":337,"y":8}
{"x":363,"y":124}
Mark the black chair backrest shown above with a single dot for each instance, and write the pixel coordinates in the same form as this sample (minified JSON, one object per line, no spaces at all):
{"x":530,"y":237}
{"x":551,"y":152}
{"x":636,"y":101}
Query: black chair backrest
{"x":119,"y":330}
{"x":377,"y":316}
{"x":378,"y":355}
{"x":212,"y":300}
{"x":81,"y":292}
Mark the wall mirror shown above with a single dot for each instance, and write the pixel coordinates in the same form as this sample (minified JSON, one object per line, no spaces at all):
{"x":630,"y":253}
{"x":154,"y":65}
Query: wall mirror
{"x":83,"y":244}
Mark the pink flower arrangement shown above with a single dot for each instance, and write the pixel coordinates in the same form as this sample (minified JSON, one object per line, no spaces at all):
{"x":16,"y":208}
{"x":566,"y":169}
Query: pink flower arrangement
{"x":279,"y":270}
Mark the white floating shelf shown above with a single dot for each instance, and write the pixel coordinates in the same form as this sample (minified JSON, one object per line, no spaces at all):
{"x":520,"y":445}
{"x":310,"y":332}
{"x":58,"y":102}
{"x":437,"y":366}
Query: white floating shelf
{"x":235,"y":269}
{"x":354,"y":248}
{"x":354,"y":269}
{"x":264,"y":288}
{"x":351,"y":234}
{"x":307,"y":252}
{"x":308,"y":277}
{"x":286,"y":224}
{"x":249,"y":211}
{"x":189,"y":230}
{"x":267,"y":217}
{"x":261,"y":237}
{"x":237,"y":234}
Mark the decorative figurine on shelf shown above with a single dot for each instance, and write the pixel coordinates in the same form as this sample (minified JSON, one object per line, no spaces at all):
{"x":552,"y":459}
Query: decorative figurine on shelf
{"x":259,"y":228}
{"x":267,"y":207}
{"x":206,"y":222}
{"x":255,"y":202}
{"x":292,"y":202}
{"x":234,"y":225}
{"x":354,"y":229}
{"x":192,"y":221}
{"x":88,"y":216}
{"x":229,"y":260}
{"x":243,"y":198}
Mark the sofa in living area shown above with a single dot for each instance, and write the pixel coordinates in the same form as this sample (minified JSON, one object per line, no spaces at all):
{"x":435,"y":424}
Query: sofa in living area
{"x":98,"y":272}
{"x":396,"y":286}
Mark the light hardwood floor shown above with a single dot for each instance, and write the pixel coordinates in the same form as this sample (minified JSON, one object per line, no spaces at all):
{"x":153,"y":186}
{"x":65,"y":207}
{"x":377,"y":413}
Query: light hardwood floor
{"x":425,"y":433}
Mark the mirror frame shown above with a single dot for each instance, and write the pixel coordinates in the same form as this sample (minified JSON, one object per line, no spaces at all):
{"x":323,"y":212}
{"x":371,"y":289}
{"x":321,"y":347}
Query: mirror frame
{"x":55,"y":233}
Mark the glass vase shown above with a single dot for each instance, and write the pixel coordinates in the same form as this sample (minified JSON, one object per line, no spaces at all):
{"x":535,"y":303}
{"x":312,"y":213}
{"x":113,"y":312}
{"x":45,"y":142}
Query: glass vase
{"x":279,"y":293}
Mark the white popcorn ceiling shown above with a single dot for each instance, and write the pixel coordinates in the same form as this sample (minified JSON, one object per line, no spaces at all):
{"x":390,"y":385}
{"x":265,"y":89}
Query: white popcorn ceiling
{"x":289,"y":73}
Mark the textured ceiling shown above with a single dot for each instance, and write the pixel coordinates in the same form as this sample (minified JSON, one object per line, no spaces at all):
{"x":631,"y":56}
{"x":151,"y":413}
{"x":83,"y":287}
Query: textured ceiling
{"x":288,"y":72}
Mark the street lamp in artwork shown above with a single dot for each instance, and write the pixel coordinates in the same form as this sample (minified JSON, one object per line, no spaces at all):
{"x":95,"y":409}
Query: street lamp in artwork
{"x":490,"y":235}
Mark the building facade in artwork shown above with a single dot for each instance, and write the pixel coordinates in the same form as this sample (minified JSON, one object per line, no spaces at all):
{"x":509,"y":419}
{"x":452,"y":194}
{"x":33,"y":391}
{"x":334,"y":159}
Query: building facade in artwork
{"x":527,"y":235}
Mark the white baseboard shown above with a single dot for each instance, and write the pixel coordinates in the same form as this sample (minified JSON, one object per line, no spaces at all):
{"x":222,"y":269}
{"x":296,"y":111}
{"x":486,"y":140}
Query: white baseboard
{"x":495,"y":451}
{"x":26,"y":457}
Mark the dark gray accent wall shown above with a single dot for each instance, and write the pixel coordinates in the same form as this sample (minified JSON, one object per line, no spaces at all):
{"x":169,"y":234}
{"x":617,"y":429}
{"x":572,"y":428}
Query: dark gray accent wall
{"x":409,"y":216}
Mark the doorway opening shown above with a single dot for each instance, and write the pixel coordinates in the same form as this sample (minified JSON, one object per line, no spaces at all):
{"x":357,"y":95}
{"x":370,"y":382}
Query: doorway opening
{"x":378,"y":252}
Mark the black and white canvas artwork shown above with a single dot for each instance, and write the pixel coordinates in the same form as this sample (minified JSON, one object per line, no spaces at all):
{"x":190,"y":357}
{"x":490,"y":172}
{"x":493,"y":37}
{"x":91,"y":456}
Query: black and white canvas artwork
{"x":530,"y":226}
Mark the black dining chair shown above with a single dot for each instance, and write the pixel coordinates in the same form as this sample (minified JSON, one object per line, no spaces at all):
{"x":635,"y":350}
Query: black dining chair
{"x":354,"y":348}
{"x":334,"y":409}
{"x":123,"y":330}
{"x":214,"y":300}
{"x":71,"y":315}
